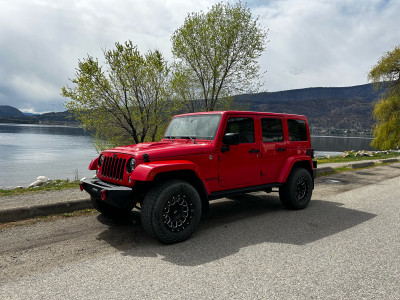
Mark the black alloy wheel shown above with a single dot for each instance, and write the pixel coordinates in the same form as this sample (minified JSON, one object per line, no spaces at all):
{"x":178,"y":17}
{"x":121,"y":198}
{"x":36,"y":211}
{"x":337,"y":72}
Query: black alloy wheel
{"x":297,"y":191}
{"x":171,"y":211}
{"x":177,"y":213}
{"x":301,"y":189}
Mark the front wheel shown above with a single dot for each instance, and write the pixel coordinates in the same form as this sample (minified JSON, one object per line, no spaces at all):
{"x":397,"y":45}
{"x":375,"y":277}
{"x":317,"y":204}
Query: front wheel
{"x":171,"y":211}
{"x":296,"y":192}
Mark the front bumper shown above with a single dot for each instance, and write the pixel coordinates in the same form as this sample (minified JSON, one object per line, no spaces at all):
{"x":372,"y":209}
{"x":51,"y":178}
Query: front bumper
{"x":119,"y":196}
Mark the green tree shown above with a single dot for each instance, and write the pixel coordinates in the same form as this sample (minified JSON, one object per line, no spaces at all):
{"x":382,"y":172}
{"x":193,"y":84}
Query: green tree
{"x":387,"y":110}
{"x":127,"y":102}
{"x":217,"y":55}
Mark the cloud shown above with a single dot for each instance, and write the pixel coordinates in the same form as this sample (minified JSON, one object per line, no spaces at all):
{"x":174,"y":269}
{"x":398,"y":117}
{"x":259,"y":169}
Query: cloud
{"x":312,"y":43}
{"x":325,"y":43}
{"x":41,"y":41}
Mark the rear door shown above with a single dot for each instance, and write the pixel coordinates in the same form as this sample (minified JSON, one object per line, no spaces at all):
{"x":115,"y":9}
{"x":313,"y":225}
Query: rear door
{"x":299,"y":134}
{"x":240,"y":165}
{"x":273,"y":149}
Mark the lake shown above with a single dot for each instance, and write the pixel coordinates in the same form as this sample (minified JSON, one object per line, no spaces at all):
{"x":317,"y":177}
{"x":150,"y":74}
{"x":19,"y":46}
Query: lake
{"x":335,"y":145}
{"x":29,"y":151}
{"x":59,"y":152}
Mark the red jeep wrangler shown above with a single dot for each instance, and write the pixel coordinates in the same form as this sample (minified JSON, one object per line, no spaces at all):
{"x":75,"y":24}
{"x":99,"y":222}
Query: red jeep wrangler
{"x":204,"y":156}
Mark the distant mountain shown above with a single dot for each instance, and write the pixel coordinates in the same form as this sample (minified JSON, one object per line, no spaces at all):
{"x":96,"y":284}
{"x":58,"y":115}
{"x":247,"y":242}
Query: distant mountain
{"x":365,"y":91}
{"x":332,"y":110}
{"x":63,"y":117}
{"x":9,"y":111}
{"x":9,"y":114}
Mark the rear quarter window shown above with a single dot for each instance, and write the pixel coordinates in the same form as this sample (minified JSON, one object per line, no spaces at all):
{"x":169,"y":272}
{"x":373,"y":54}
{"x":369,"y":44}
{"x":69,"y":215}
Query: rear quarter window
{"x":297,"y":130}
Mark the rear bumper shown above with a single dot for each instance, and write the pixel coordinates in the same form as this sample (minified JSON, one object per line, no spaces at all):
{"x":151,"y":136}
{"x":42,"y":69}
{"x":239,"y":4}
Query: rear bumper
{"x":120,"y":196}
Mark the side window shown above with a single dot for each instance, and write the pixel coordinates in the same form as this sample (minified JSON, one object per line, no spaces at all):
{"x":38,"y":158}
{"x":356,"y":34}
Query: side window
{"x":297,"y":130}
{"x":272,"y":130}
{"x":243,"y":126}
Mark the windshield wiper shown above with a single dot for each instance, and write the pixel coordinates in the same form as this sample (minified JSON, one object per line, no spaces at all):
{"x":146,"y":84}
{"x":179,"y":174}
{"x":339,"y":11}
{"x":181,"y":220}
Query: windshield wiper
{"x":169,"y":137}
{"x":189,"y":137}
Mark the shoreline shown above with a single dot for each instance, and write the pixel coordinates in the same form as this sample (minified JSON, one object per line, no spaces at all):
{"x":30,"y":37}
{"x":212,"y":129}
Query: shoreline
{"x":328,"y":155}
{"x":324,"y":166}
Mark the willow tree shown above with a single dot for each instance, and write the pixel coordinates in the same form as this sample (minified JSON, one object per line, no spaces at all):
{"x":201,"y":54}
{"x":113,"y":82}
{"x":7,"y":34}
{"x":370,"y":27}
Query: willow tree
{"x":387,"y":110}
{"x":217,"y":54}
{"x":124,"y":101}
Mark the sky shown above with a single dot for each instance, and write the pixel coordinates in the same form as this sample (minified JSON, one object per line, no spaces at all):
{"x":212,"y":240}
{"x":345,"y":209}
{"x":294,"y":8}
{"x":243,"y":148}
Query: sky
{"x":311,"y":43}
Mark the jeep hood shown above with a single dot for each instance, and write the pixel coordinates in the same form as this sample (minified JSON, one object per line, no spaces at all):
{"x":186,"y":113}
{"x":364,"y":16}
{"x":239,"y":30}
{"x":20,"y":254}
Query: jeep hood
{"x":160,"y":150}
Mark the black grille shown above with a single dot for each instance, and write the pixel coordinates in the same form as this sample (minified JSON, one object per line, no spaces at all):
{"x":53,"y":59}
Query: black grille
{"x":113,"y":167}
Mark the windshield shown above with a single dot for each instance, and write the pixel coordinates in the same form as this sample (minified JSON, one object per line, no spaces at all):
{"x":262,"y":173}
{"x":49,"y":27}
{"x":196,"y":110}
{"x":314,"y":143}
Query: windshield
{"x":202,"y":127}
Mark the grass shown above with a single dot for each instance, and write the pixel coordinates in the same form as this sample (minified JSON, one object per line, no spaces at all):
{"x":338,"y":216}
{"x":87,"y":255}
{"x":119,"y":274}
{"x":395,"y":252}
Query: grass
{"x":349,"y":169}
{"x":54,"y":185}
{"x":343,"y":169}
{"x":352,"y":157}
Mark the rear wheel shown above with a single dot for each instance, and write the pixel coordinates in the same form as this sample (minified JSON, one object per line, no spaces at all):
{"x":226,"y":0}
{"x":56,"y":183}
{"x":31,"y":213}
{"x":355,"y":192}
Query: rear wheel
{"x":296,"y":192}
{"x":110,"y":211}
{"x":171,"y":211}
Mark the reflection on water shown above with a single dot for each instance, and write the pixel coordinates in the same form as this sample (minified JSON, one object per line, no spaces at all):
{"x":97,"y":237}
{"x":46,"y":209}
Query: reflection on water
{"x":28,"y":151}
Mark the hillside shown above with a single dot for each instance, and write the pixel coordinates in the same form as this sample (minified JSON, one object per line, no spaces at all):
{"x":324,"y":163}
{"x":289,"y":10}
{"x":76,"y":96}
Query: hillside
{"x":9,"y":111}
{"x":338,"y":110}
{"x":365,"y":91}
{"x":64,"y":117}
{"x":13,"y":115}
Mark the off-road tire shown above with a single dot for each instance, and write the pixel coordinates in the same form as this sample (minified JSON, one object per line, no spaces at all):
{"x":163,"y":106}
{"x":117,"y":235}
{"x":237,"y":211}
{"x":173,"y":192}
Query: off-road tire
{"x":296,"y":192}
{"x":110,"y":211}
{"x":171,"y":211}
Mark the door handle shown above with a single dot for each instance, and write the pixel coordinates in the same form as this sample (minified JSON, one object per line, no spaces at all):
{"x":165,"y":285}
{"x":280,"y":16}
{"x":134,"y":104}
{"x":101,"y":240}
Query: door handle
{"x":281,"y":149}
{"x":254,"y":151}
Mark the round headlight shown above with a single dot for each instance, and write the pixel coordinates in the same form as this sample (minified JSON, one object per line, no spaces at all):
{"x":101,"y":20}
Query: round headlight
{"x":130,"y":166}
{"x":100,"y":162}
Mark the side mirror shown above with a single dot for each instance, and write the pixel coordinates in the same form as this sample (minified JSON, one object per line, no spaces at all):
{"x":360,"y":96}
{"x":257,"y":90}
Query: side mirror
{"x":231,"y":139}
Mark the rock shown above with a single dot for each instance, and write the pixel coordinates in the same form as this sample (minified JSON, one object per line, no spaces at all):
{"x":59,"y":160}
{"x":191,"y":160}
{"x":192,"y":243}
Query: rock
{"x":82,"y":179}
{"x":364,"y":153}
{"x":18,"y":187}
{"x":41,"y":180}
{"x":36,"y":183}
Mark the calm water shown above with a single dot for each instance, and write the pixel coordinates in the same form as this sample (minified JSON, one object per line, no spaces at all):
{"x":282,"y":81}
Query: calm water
{"x":58,"y":152}
{"x":335,"y":145}
{"x":29,"y":151}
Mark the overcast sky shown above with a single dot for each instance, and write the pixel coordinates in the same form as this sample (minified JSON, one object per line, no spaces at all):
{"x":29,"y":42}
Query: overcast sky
{"x":312,"y":43}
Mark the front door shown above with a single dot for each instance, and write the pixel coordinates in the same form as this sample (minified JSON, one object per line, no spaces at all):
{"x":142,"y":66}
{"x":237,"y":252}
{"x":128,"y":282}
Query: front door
{"x":239,"y":166}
